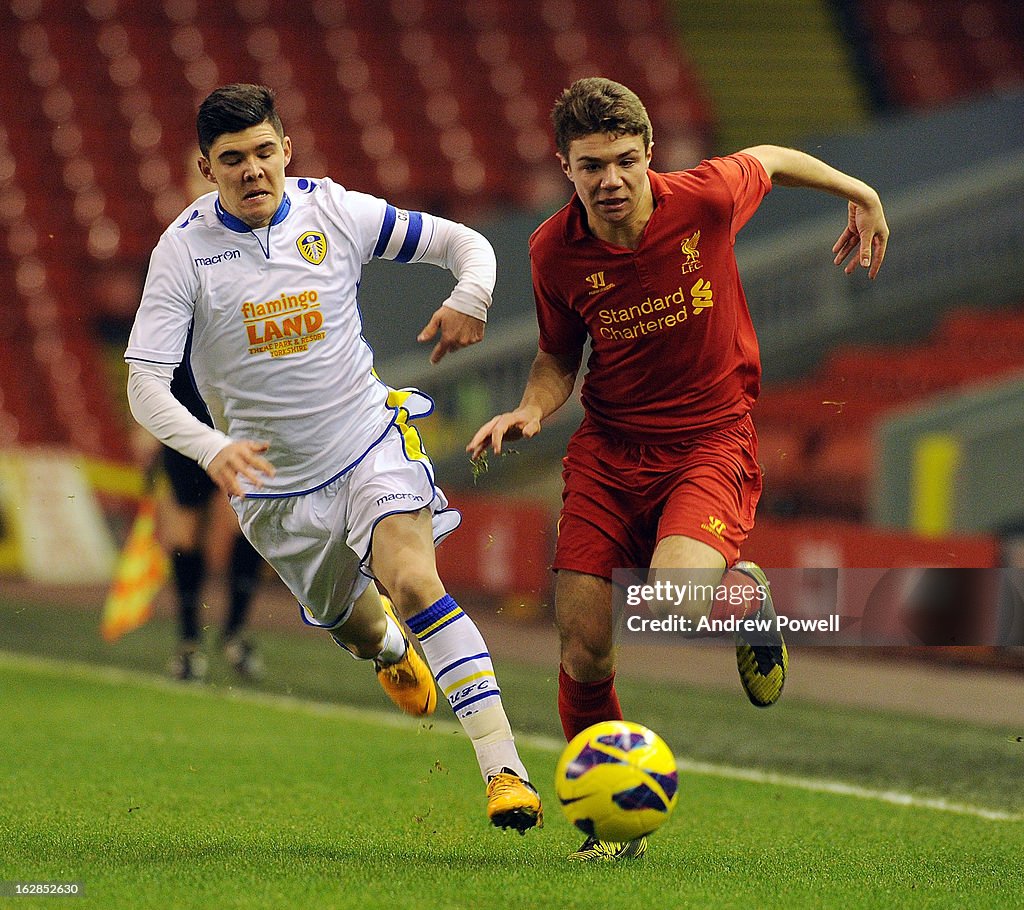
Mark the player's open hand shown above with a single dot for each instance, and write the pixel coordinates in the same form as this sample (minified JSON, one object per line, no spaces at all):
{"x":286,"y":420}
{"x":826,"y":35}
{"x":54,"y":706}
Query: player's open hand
{"x":866,"y":235}
{"x":458,"y":330}
{"x":240,"y":458}
{"x":522,"y":423}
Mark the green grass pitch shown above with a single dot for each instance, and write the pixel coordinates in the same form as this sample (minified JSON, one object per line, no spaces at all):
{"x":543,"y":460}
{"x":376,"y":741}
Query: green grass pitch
{"x":157,"y":796}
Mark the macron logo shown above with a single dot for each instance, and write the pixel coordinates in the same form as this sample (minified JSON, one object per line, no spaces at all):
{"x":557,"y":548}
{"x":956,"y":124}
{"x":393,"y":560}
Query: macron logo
{"x":392,"y":497}
{"x":220,"y":257}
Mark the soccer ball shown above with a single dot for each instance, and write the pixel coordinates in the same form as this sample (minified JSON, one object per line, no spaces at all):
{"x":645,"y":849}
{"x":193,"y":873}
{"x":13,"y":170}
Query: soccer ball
{"x":616,"y":781}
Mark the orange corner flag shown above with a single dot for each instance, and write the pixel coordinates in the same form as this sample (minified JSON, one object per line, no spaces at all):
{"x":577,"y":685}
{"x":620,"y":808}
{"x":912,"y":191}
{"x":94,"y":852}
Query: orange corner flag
{"x":141,"y":573}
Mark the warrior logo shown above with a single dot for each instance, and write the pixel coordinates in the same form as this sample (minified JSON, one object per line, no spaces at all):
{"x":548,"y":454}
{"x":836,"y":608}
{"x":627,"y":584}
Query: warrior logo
{"x":598,"y":283}
{"x":715,"y":527}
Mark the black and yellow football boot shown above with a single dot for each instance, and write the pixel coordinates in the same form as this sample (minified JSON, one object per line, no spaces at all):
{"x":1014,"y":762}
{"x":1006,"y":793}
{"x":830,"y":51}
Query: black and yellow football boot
{"x":761,"y":655}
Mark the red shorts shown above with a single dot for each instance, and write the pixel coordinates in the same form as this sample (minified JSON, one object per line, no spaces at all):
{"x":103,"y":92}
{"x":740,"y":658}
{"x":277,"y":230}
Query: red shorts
{"x":621,"y":498}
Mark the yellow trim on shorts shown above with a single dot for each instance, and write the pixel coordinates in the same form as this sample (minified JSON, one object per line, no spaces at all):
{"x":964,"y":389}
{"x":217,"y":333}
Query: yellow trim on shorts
{"x":410,"y":435}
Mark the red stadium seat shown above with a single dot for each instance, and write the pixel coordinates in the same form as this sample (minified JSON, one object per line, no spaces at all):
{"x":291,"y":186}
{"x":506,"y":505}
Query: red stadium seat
{"x":816,"y":435}
{"x":122,"y":63}
{"x":932,"y":53}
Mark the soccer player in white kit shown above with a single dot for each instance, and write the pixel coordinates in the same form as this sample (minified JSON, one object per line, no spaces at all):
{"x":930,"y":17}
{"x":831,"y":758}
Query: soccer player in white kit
{"x":322,"y":466}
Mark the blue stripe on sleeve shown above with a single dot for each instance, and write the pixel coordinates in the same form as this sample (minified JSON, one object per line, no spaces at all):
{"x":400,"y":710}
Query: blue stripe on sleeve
{"x":386,"y":230}
{"x":412,"y":237}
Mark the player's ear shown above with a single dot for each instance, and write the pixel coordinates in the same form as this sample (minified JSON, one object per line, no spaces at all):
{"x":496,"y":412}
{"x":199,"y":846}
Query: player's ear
{"x":286,"y":144}
{"x":205,"y":169}
{"x":564,"y":162}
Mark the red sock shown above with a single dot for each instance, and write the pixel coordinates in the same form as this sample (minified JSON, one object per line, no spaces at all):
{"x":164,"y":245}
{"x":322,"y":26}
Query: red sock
{"x":725,"y":608}
{"x":581,"y":704}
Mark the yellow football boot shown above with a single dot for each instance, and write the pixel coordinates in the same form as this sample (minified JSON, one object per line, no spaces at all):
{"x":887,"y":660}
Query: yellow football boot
{"x":513,"y":802}
{"x":408,"y":682}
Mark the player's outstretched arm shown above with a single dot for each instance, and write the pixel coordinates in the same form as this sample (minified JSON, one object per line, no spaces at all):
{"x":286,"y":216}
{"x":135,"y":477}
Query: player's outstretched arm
{"x":866,"y":235}
{"x":549,"y":386}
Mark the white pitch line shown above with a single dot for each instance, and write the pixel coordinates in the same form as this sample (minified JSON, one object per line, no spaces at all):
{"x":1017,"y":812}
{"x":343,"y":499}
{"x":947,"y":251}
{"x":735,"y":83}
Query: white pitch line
{"x":895,"y":797}
{"x":812,"y":784}
{"x":119,"y":676}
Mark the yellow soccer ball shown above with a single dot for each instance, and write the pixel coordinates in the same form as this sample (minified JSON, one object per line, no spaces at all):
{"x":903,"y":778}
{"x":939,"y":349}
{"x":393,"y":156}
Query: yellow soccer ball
{"x":617,"y":780}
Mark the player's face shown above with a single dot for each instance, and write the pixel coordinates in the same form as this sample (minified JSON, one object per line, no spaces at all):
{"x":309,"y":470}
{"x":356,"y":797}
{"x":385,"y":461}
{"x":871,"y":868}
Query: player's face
{"x":610,"y":176}
{"x":248,"y":170}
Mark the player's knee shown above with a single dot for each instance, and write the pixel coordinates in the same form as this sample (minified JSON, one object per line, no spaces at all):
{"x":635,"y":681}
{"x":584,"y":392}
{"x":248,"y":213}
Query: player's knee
{"x":686,"y":594}
{"x":586,"y":657}
{"x":691,"y":608}
{"x":415,"y":587}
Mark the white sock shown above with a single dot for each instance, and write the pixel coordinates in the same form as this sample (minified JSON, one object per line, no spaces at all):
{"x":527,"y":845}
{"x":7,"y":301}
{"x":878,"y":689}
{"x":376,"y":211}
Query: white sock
{"x":491,"y":734}
{"x":392,"y":649}
{"x":461,"y":664}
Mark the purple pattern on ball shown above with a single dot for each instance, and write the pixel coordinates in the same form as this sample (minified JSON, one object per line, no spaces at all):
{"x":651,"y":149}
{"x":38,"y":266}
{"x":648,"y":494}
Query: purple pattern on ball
{"x":640,"y":797}
{"x":587,"y":758}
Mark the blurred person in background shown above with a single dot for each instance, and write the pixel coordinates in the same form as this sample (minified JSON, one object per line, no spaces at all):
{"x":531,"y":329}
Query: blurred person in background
{"x":663,"y":473}
{"x":323,"y":468}
{"x":189,"y":516}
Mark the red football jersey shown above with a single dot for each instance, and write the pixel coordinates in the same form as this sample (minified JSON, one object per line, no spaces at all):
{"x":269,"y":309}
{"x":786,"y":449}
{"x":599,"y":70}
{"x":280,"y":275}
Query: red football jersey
{"x":673,"y":350}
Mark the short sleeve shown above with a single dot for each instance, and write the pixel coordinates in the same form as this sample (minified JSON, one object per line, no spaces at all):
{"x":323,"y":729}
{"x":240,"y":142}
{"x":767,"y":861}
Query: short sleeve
{"x":563,"y":332}
{"x":748,"y":182}
{"x":384,"y":231}
{"x":168,"y":305}
{"x":358,"y":214}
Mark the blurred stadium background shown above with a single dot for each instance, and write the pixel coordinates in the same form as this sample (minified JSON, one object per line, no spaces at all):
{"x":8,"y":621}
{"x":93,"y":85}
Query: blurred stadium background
{"x":892,"y":416}
{"x":891,"y":425}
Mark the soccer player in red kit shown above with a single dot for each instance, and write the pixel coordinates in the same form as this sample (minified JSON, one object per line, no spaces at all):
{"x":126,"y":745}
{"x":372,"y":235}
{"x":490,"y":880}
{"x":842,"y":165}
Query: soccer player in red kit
{"x":663,"y":471}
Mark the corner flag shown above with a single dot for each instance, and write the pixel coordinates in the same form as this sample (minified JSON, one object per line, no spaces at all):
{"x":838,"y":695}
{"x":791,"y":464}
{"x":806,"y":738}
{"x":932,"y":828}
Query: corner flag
{"x":140,"y":574}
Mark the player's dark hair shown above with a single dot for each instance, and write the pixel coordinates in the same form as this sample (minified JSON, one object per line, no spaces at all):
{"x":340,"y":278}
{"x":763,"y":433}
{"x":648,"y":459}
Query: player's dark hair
{"x":597,"y":105}
{"x":233,"y":108}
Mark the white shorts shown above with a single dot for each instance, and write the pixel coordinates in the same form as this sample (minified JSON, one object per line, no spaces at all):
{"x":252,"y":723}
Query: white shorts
{"x":319,"y":543}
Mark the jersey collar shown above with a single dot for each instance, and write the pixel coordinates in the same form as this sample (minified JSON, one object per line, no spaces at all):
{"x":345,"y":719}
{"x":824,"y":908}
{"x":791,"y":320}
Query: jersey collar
{"x":234,"y":223}
{"x":576,"y":224}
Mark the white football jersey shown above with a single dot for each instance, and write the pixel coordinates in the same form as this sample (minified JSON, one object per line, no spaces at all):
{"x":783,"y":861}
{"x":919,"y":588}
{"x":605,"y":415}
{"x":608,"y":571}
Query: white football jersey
{"x":277,"y":350}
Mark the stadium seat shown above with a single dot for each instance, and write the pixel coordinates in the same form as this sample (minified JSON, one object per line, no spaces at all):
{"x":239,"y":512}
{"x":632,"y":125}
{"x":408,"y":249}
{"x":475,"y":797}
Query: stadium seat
{"x":816,"y":435}
{"x":108,"y":92}
{"x":937,"y":52}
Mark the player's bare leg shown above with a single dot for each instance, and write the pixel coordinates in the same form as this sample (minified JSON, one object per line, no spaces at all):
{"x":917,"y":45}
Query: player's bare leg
{"x":583,"y":613}
{"x":586,"y":680}
{"x":761,"y":657}
{"x":683,"y":560}
{"x":371,"y":632}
